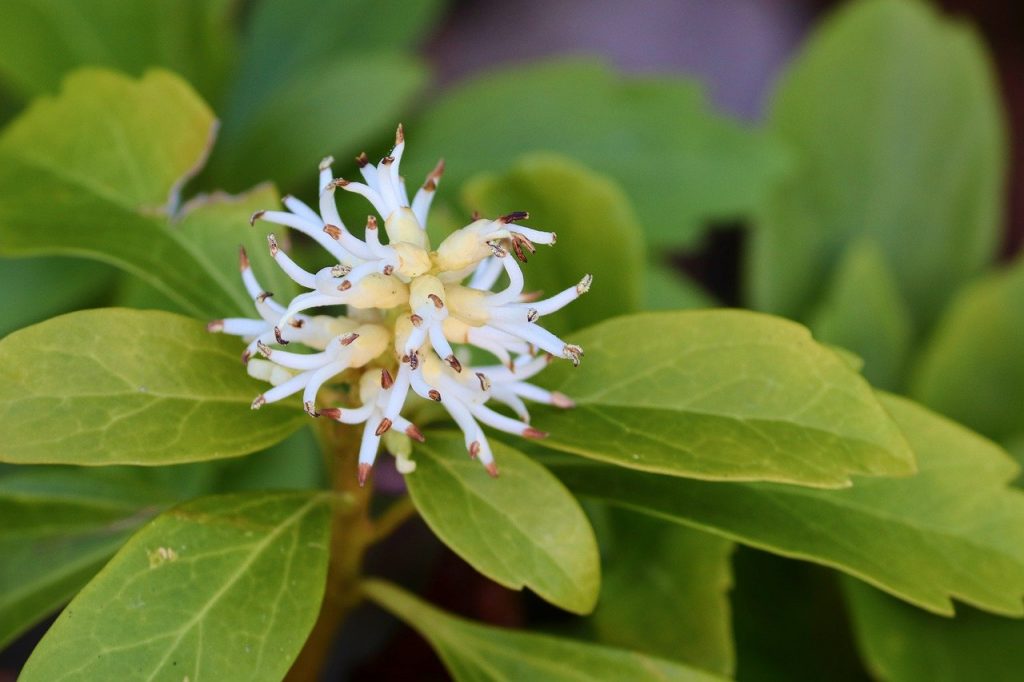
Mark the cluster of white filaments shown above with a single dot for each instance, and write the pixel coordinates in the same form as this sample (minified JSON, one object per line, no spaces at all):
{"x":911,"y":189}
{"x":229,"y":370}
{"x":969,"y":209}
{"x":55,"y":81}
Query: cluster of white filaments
{"x":410,"y":315}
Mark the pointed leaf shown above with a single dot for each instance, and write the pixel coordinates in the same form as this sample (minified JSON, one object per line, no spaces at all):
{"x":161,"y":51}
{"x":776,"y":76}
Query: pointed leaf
{"x":521,"y":529}
{"x":895,"y":114}
{"x":678,"y":160}
{"x":223,"y":588}
{"x":117,"y":386}
{"x":973,"y":367}
{"x":95,"y":172}
{"x":479,"y":652}
{"x":953,"y":530}
{"x":721,"y":394}
{"x":596,"y":227}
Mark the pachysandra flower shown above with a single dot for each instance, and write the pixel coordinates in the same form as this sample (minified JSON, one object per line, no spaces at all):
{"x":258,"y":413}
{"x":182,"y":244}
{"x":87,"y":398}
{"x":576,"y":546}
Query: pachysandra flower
{"x":410,"y":315}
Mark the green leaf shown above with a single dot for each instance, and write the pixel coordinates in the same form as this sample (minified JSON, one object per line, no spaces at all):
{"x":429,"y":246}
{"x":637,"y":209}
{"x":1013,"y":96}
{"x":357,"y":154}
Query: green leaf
{"x":973,"y":367}
{"x":863,"y":311}
{"x":668,"y":289}
{"x":45,"y":39}
{"x":479,"y":652}
{"x":904,"y":644}
{"x":953,"y":530}
{"x":721,"y":395}
{"x":117,"y":386}
{"x":57,"y":529}
{"x":96,"y":171}
{"x":896,"y":117}
{"x":38,"y":288}
{"x":521,"y":529}
{"x":596,"y":226}
{"x":223,"y":588}
{"x":664,"y":592}
{"x":333,"y":108}
{"x":680,"y":162}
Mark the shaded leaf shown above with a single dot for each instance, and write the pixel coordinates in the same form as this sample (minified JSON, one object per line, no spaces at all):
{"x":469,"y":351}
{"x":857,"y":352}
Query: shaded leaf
{"x":721,"y":394}
{"x":664,"y":592}
{"x":117,"y":386}
{"x":95,"y":172}
{"x":38,"y":288}
{"x":973,"y":366}
{"x":45,"y":39}
{"x":863,"y":311}
{"x":521,"y":529}
{"x":479,"y":652}
{"x":680,"y":162}
{"x":902,"y":644}
{"x":223,"y":588}
{"x":57,"y":529}
{"x":596,"y":227}
{"x":895,"y":114}
{"x":668,"y":289}
{"x":953,"y":530}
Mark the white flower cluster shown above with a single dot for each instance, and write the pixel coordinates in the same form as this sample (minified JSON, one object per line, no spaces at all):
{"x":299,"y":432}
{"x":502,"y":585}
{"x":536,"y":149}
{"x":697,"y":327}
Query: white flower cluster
{"x":406,"y":306}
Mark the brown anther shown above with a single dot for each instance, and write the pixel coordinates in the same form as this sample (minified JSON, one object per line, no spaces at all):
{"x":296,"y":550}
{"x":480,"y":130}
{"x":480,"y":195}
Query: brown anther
{"x":349,"y":338}
{"x":383,"y":427}
{"x":371,"y":222}
{"x":497,"y":249}
{"x":255,"y":216}
{"x":562,"y":400}
{"x":326,"y":162}
{"x":416,"y":320}
{"x":264,"y":295}
{"x":364,"y":473}
{"x":386,"y":380}
{"x":336,"y":183}
{"x":340,"y":270}
{"x":514,"y":217}
{"x":532,"y":314}
{"x":345,"y":286}
{"x":530,"y":432}
{"x":584,"y":285}
{"x":413,"y":432}
{"x":475,"y":215}
{"x":264,"y":349}
{"x":573,"y":353}
{"x":246,"y":356}
{"x":399,"y":135}
{"x":333,"y":231}
{"x":414,"y":361}
{"x":272,"y":243}
{"x":297,"y":323}
{"x":438,"y":171}
{"x":331,"y":412}
{"x":310,"y":407}
{"x":388,"y":270}
{"x":430,"y":185}
{"x":474,"y":449}
{"x":436,"y":300}
{"x":258,"y":402}
{"x":454,"y":363}
{"x":518,"y":250}
{"x":215,"y":326}
{"x":388,"y":160}
{"x":243,"y":258}
{"x":485,"y":383}
{"x":492,"y":470}
{"x":362,"y":159}
{"x":435,"y":395}
{"x":280,"y":339}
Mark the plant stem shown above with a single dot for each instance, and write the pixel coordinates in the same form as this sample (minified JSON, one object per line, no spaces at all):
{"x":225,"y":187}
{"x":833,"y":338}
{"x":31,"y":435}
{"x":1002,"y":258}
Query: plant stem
{"x":398,"y":513}
{"x":351,"y":533}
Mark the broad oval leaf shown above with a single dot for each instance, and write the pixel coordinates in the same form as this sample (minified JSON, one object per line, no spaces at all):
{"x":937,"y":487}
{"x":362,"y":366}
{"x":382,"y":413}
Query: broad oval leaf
{"x":521,"y":529}
{"x":721,"y":395}
{"x":57,"y":529}
{"x":657,"y":136}
{"x":117,"y":386}
{"x":895,"y":115}
{"x":596,"y":226}
{"x":479,"y":652}
{"x":973,"y":367}
{"x":953,"y":530}
{"x":96,"y":172}
{"x":223,"y":588}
